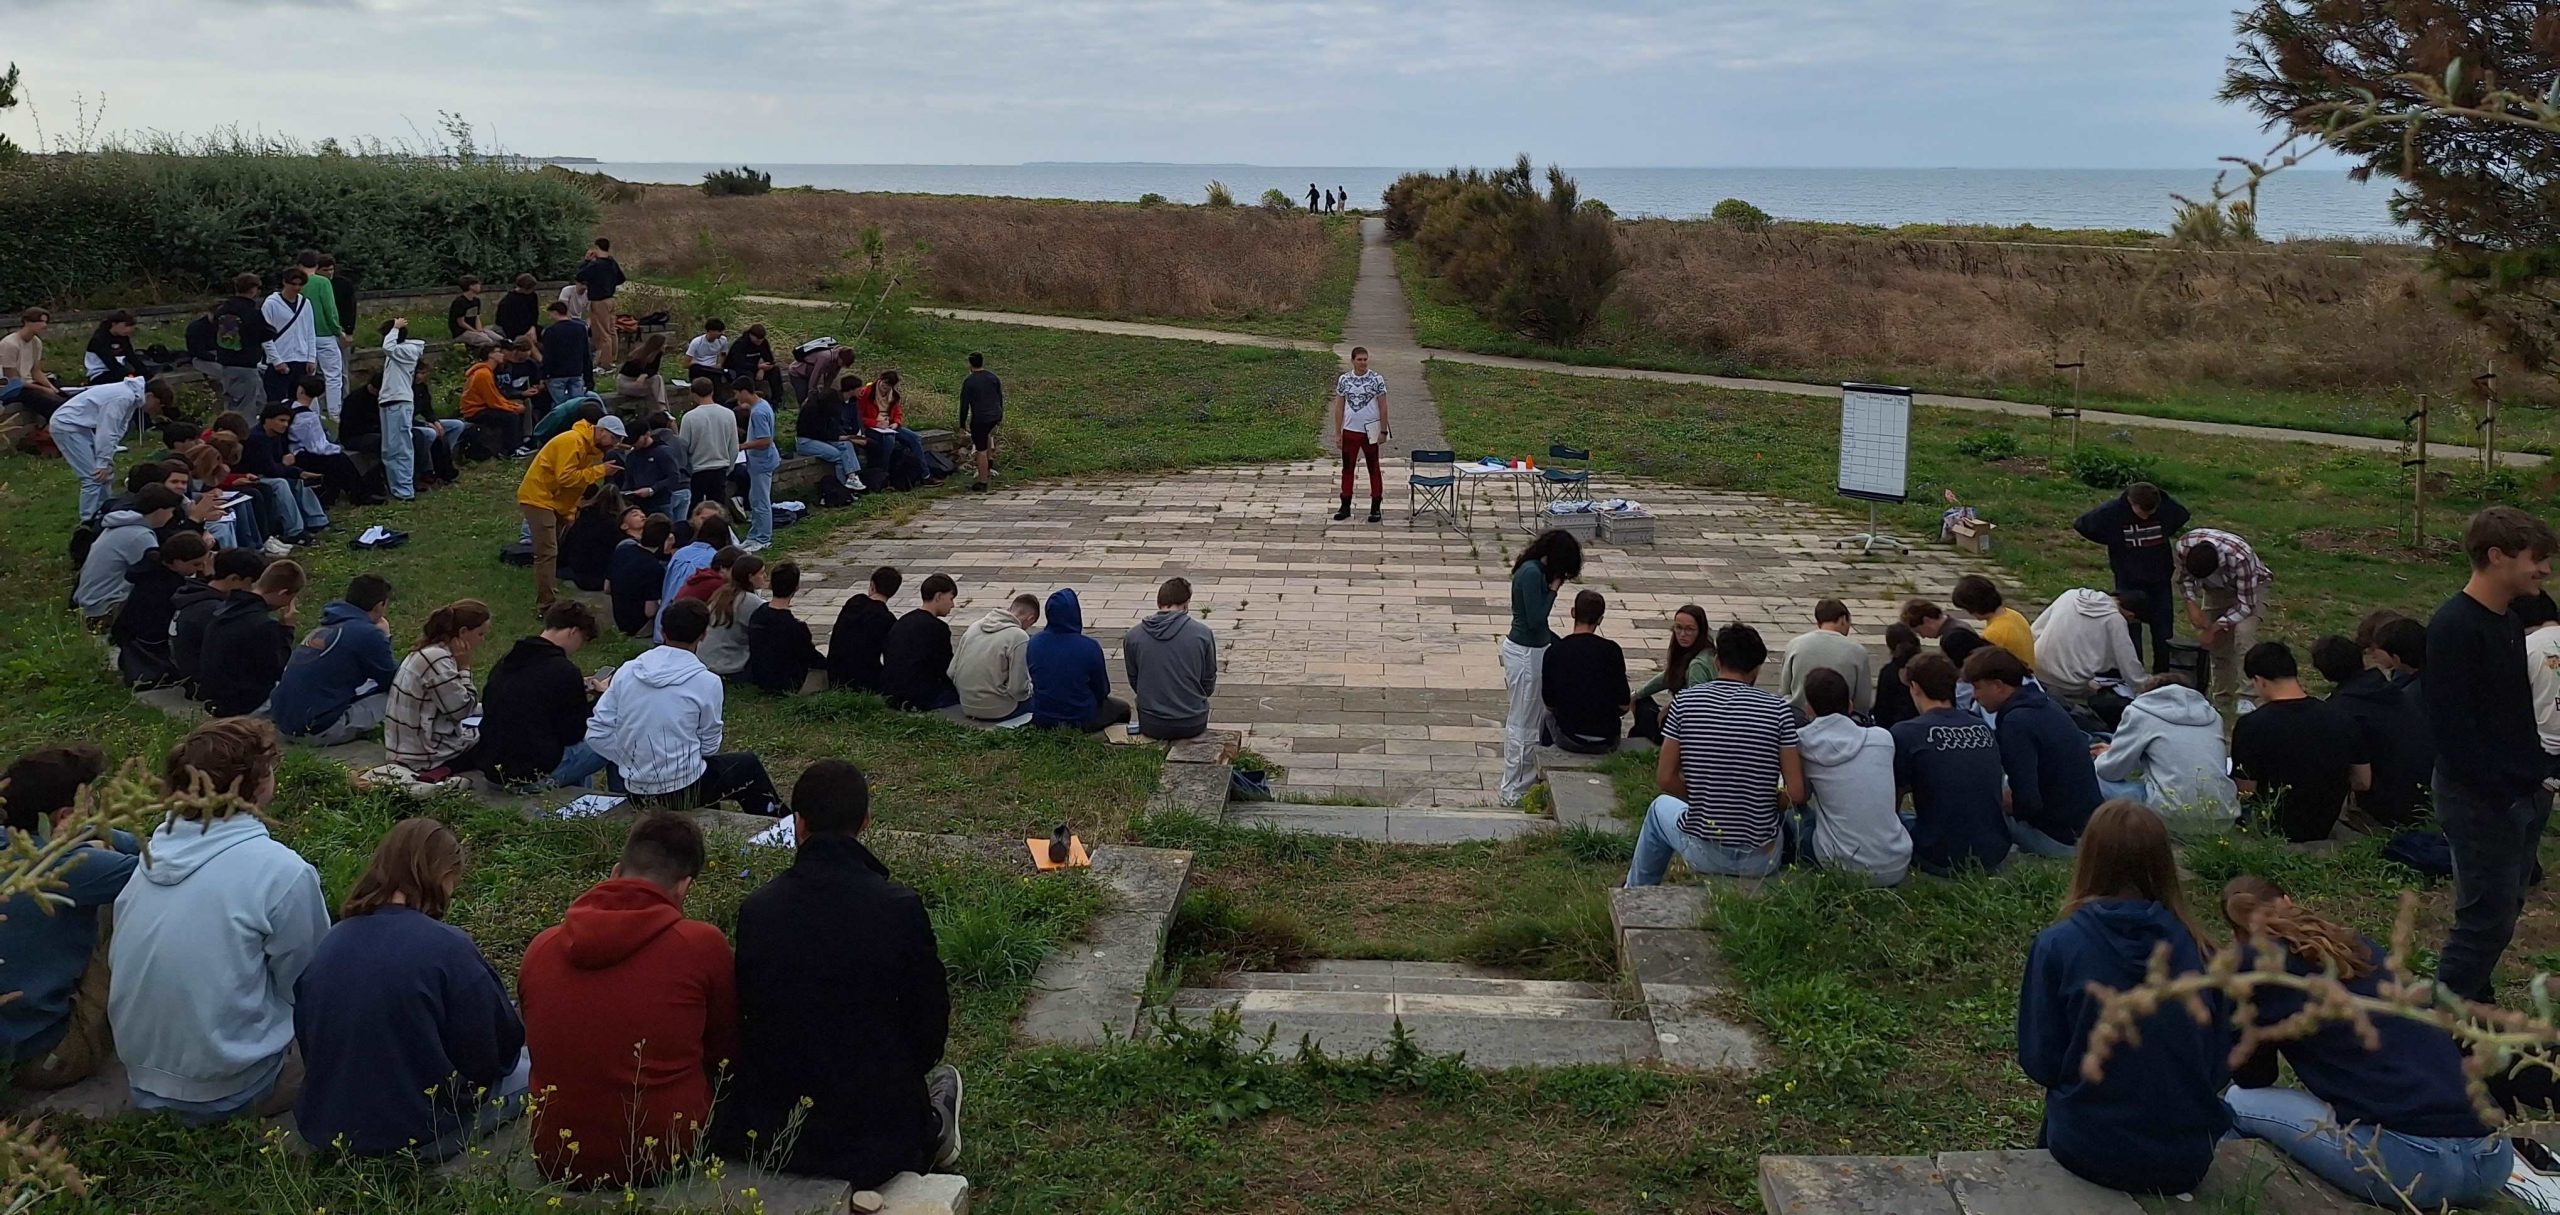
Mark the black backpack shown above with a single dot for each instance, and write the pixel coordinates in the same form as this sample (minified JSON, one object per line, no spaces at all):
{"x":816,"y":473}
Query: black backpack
{"x":832,"y":492}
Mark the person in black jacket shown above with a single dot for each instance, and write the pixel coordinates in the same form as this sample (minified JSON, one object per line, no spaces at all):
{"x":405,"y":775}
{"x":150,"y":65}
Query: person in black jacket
{"x":825,"y":434}
{"x":192,"y":605}
{"x":750,"y":361}
{"x":109,"y":356}
{"x":2137,"y":527}
{"x":652,"y":476}
{"x":915,"y":658}
{"x":853,"y":649}
{"x":637,"y":575}
{"x":519,"y":310}
{"x":141,"y":629}
{"x":247,"y":642}
{"x":843,"y":1009}
{"x":587,"y":544}
{"x":224,"y":345}
{"x":533,"y":724}
{"x":780,"y":654}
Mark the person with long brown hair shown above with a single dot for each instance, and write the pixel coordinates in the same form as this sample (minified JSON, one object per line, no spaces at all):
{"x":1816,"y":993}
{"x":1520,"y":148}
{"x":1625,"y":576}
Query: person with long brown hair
{"x":429,"y":728}
{"x":2150,"y":1122}
{"x":1690,"y":659}
{"x":640,"y":377}
{"x":2390,"y":1119}
{"x":408,"y":1040}
{"x":725,"y":647}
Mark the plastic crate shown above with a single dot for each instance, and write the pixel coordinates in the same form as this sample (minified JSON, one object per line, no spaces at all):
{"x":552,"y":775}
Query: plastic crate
{"x":1626,"y":527}
{"x":1582,"y":525}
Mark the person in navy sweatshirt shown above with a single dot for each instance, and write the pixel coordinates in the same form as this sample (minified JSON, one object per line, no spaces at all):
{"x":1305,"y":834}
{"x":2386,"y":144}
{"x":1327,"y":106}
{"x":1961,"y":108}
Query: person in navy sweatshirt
{"x":409,"y":1043}
{"x":55,"y":1030}
{"x":1070,"y":682}
{"x":2379,"y":1121}
{"x":2053,"y":784}
{"x":2151,"y":1124}
{"x":2137,"y":527}
{"x":337,"y":685}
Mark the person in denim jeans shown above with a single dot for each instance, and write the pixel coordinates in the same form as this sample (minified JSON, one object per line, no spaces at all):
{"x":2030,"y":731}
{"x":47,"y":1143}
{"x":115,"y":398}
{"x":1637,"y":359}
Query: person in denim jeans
{"x":88,"y":426}
{"x":763,"y":460}
{"x":566,"y":355}
{"x":1729,"y":765}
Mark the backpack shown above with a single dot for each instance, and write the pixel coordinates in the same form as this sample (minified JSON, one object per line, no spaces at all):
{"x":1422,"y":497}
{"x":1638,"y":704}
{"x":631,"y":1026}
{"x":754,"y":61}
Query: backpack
{"x":813,"y":346}
{"x":938,"y":465}
{"x":832,"y":492}
{"x":2428,"y":852}
{"x":519,"y":553}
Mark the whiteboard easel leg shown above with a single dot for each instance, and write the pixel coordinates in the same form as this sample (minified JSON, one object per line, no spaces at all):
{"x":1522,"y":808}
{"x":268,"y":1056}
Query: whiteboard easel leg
{"x":1873,"y":538}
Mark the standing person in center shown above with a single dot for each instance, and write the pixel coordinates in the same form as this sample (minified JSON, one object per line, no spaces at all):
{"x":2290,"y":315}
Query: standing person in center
{"x":981,"y":410}
{"x":2225,"y":587}
{"x":292,"y":350}
{"x":1730,"y":764}
{"x":554,"y":484}
{"x":399,"y":403}
{"x":1550,"y":561}
{"x":763,"y":460}
{"x":328,"y":329}
{"x":568,"y":355}
{"x":2479,"y":709}
{"x":710,"y":433}
{"x":601,"y":275}
{"x":1360,"y":422}
{"x":2137,"y":527}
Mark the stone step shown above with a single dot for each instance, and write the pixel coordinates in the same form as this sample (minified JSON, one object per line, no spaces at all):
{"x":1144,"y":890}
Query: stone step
{"x":1090,"y":992}
{"x":1404,"y":1004}
{"x":2247,"y":1175}
{"x":1487,"y":1042}
{"x":716,"y":1186}
{"x":1416,"y":984}
{"x":1585,"y":799}
{"x":1387,"y":824}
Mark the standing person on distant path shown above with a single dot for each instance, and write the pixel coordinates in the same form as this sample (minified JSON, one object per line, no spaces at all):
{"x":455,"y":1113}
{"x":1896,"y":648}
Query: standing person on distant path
{"x":710,"y":433}
{"x":981,"y":410}
{"x":1312,"y":208}
{"x":601,"y":275}
{"x":520,"y":309}
{"x":1360,"y":422}
{"x":1343,"y":194}
{"x":292,"y":345}
{"x":1550,"y":561}
{"x":707,"y":352}
{"x":763,"y":460}
{"x":2225,"y":586}
{"x":2479,"y":707}
{"x":2138,"y":527}
{"x":328,"y":328}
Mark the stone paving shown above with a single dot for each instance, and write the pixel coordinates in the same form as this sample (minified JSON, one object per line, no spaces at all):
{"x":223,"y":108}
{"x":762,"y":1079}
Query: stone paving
{"x":1365,"y":658}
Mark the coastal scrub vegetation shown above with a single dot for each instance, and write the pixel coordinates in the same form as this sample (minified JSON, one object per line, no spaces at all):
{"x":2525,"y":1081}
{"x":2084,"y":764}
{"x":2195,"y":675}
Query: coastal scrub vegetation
{"x":1533,"y":264}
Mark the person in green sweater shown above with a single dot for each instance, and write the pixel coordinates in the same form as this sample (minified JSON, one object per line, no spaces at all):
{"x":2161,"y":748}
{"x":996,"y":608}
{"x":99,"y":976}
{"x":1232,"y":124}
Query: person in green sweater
{"x":328,"y":330}
{"x":1550,"y":561}
{"x":1692,"y":660}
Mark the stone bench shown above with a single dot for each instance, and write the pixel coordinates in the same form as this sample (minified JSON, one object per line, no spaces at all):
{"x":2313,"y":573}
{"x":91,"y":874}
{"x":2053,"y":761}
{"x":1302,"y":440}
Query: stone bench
{"x":2247,"y":1175}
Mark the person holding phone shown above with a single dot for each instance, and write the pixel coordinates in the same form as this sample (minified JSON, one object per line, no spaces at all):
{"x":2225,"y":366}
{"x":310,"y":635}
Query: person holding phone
{"x":1360,"y":419}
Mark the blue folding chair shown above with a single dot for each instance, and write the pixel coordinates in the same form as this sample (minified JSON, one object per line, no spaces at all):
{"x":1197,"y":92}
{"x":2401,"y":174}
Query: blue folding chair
{"x":1436,"y":492}
{"x":1567,"y":476}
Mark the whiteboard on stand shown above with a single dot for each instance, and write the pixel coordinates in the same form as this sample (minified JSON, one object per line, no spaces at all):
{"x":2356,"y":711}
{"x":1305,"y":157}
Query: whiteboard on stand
{"x":1875,"y":442}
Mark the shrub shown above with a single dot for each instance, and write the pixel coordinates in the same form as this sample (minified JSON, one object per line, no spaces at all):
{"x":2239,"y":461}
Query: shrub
{"x":1274,"y":200}
{"x":1540,"y":265}
{"x":1151,"y":199}
{"x":727,"y":183}
{"x":2109,"y":468}
{"x":1989,"y":445}
{"x":1219,"y":195}
{"x":2213,"y":225}
{"x":1735,"y":213}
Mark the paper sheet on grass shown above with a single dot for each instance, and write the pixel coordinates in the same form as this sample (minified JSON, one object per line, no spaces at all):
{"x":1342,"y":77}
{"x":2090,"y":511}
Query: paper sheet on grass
{"x":784,"y":833}
{"x":587,"y":806}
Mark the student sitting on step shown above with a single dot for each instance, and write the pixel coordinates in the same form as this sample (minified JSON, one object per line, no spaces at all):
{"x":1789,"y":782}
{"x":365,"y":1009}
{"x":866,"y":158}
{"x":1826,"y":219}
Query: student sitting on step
{"x":740,"y":594}
{"x":862,"y":627}
{"x":247,"y":640}
{"x":659,"y":725}
{"x":1070,"y":679}
{"x":2053,"y":786}
{"x":337,"y":686}
{"x":780,"y":652}
{"x":802,"y":1102}
{"x":1949,"y":762}
{"x":1730,"y":764}
{"x":192,"y":608}
{"x":987,"y":666}
{"x":1849,"y":825}
{"x":2151,"y":1124}
{"x":637,"y":573}
{"x":55,"y":1029}
{"x":915,"y":658}
{"x":141,"y":630}
{"x":1172,"y":662}
{"x":1583,"y":680}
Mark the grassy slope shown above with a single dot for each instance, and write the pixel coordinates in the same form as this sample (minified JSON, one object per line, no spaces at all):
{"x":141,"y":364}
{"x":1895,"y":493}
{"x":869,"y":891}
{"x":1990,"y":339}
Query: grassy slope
{"x":1319,"y":319}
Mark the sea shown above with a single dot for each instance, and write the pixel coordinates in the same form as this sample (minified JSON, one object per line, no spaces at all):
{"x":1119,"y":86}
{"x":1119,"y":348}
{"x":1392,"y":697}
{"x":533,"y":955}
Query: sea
{"x":2294,"y":203}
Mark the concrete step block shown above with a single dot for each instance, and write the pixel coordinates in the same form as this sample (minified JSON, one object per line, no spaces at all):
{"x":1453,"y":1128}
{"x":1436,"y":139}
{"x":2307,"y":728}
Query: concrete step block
{"x":1488,"y":1042}
{"x":1585,"y":799}
{"x":1854,"y":1185}
{"x":2026,"y":1183}
{"x":1453,"y":985}
{"x":1673,"y":907}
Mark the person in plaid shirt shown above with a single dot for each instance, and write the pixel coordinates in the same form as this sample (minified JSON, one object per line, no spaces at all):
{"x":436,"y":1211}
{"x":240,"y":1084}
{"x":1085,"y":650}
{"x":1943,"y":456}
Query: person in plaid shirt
{"x":2225,"y":586}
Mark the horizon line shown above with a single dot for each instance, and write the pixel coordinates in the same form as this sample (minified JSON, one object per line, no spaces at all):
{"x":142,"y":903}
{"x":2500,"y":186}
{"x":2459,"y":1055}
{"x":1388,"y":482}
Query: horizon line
{"x":1238,"y":164}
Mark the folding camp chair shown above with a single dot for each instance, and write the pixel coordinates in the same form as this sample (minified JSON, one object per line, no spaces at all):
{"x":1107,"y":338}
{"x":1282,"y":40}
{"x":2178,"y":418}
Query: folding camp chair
{"x":1438,"y":492}
{"x":1566,"y":478}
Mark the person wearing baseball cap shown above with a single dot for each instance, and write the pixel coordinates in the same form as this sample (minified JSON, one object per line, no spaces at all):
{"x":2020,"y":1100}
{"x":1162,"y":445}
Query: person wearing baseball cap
{"x":553,"y":485}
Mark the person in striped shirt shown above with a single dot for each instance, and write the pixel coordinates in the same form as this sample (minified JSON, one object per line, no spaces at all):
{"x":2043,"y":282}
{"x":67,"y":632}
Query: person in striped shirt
{"x":1729,"y":765}
{"x":2225,"y":588}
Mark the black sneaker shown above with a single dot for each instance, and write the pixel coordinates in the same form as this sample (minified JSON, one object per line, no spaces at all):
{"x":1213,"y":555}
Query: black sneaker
{"x":977,"y":487}
{"x":1373,"y":512}
{"x":943,"y":1091}
{"x":1344,"y":513}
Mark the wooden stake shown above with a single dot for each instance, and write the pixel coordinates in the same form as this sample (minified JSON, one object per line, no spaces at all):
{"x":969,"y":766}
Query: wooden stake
{"x":2418,"y":461}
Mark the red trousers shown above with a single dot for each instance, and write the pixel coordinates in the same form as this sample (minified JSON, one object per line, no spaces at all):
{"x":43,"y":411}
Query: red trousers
{"x":1354,"y":443}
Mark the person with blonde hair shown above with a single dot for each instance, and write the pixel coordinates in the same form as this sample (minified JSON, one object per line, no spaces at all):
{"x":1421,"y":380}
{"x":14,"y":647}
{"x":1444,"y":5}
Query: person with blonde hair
{"x":2150,"y":1117}
{"x":211,"y":936}
{"x":428,"y":729}
{"x":409,"y":1043}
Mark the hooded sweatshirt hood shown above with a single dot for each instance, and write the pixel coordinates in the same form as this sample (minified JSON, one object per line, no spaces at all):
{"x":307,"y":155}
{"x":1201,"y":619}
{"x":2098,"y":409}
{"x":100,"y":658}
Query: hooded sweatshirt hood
{"x":1069,"y":679}
{"x":1167,"y":625}
{"x":2125,"y":930}
{"x":1066,"y":613}
{"x":1833,"y":739}
{"x":658,"y":720}
{"x":1848,"y":769}
{"x":996,"y":620}
{"x":182,"y":850}
{"x":1172,"y":661}
{"x":663,"y":667}
{"x":2080,"y":636}
{"x":2171,"y":737}
{"x":320,"y":680}
{"x":2176,"y":705}
{"x":615,"y":920}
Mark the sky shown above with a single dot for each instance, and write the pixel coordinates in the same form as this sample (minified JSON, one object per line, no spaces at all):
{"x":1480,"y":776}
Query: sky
{"x":1774,"y":83}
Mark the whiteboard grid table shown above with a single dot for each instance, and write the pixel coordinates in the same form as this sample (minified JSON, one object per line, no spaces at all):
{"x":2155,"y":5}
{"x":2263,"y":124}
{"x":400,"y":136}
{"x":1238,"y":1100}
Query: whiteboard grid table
{"x":1875,"y":456}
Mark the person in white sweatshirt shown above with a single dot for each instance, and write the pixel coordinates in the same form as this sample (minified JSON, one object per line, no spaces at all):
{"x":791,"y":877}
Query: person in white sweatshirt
{"x":658,"y":727}
{"x":294,"y":350}
{"x":990,"y":665}
{"x":1849,"y":770}
{"x":2171,"y":741}
{"x":399,"y":400}
{"x":210,"y":936}
{"x":2081,"y":636}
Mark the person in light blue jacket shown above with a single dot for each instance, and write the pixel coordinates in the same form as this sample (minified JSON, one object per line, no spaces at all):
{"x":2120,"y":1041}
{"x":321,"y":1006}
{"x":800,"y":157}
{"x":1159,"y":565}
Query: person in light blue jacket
{"x":2168,"y":754}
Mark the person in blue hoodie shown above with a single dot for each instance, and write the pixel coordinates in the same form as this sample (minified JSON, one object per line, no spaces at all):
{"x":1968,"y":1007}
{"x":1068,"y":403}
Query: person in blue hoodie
{"x":337,"y":686}
{"x":55,"y":1029}
{"x":710,"y":535}
{"x":2385,"y":1121}
{"x":1070,"y":682}
{"x":2151,"y":1123}
{"x":211,"y":936}
{"x":409,"y":1043}
{"x":2053,"y":784}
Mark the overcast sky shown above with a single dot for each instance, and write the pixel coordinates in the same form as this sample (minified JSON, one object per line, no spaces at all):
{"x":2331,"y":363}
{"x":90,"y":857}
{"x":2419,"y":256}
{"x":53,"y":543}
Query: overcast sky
{"x":1862,"y":83}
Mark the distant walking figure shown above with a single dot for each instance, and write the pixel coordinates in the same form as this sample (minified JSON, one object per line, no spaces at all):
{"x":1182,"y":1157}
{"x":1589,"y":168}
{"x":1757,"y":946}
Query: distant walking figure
{"x":1311,"y":196}
{"x":1360,"y":420}
{"x":1328,"y":202}
{"x":1341,"y":197}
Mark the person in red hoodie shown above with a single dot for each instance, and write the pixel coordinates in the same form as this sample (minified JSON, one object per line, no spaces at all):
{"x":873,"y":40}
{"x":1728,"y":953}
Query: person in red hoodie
{"x":702,"y":582}
{"x":630,"y":1011}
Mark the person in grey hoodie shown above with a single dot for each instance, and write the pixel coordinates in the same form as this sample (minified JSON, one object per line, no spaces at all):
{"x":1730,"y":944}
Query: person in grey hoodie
{"x":1849,"y":769}
{"x":127,"y":537}
{"x":1172,"y":662}
{"x":210,"y":937}
{"x":2168,"y":752}
{"x":989,"y":666}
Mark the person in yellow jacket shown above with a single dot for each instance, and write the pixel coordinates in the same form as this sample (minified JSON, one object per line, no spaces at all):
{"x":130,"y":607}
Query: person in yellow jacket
{"x":573,"y":460}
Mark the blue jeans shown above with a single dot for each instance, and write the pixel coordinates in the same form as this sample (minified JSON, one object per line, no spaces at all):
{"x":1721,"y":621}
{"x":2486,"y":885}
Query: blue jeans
{"x":1661,"y":837}
{"x":2133,"y":790}
{"x":842,"y":455}
{"x":298,"y":509}
{"x":502,"y":1104}
{"x":2036,"y":843}
{"x":578,"y":764}
{"x":79,"y":448}
{"x":759,"y":503}
{"x":679,"y":505}
{"x":399,"y":460}
{"x":205,"y":1113}
{"x":566,"y":388}
{"x":2369,"y":1162}
{"x":2494,"y":843}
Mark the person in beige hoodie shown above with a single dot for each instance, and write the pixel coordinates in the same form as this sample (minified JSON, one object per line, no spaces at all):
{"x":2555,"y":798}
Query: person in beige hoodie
{"x":989,"y":666}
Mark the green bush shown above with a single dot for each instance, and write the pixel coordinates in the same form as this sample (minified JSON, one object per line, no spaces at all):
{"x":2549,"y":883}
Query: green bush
{"x":1219,"y":195}
{"x":1151,"y":199}
{"x":738,"y":182}
{"x":1989,"y":445}
{"x":2109,"y":468}
{"x":1537,"y":264}
{"x":1735,"y":213}
{"x":1274,"y":200}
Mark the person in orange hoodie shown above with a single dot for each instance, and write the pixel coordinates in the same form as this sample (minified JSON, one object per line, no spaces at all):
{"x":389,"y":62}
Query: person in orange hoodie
{"x":489,"y":409}
{"x":630,"y":1014}
{"x":549,"y":495}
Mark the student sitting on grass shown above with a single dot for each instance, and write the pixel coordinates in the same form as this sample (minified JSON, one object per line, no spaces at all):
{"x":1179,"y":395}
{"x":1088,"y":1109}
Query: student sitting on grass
{"x":987,"y":664}
{"x":1730,"y":764}
{"x":54,"y":1029}
{"x":2152,"y":1123}
{"x":1948,"y":760}
{"x":2295,"y":755}
{"x":499,"y":416}
{"x":267,"y":455}
{"x":915,"y":658}
{"x":587,"y":543}
{"x":1893,"y":697}
{"x":1690,"y":659}
{"x":247,"y":641}
{"x":659,"y":725}
{"x":1070,"y":679}
{"x":193,"y":607}
{"x":211,"y":935}
{"x":800,"y":1104}
{"x":1172,"y":663}
{"x":2082,"y":636}
{"x":337,"y":686}
{"x":2171,"y":739}
{"x":409,"y":1043}
{"x":780,"y":652}
{"x":2384,"y":723}
{"x":653,"y":474}
{"x":862,"y":627}
{"x":1849,"y":823}
{"x":431,"y":726}
{"x":142,"y":629}
{"x":2000,"y":624}
{"x":1827,"y":646}
{"x":533,"y":725}
{"x":637,"y":572}
{"x":2052,"y":784}
{"x":710,"y":539}
{"x":122,"y":544}
{"x":732,"y":604}
{"x":631,"y":1015}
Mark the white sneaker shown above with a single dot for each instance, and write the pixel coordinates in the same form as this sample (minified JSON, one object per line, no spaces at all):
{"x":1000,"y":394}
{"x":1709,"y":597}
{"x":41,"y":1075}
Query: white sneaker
{"x":275,"y":549}
{"x":942,"y":1091}
{"x":2534,"y":1189}
{"x":751,"y":546}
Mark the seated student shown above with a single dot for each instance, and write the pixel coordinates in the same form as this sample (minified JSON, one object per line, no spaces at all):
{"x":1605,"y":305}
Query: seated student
{"x":1583,"y":681}
{"x":1172,"y":662}
{"x":316,"y":454}
{"x":1730,"y":764}
{"x":1691,"y":659}
{"x":337,"y":686}
{"x":2081,"y":636}
{"x":127,"y":537}
{"x":247,"y":641}
{"x":658,"y":723}
{"x":431,"y":727}
{"x":1948,"y":760}
{"x":636,"y":573}
{"x":1924,"y":618}
{"x":1848,"y":769}
{"x":498,"y":416}
{"x":55,"y":1029}
{"x":1958,"y":643}
{"x":570,"y":411}
{"x":741,"y":591}
{"x":2404,"y":641}
{"x":2152,"y":1124}
{"x":862,"y":627}
{"x":630,"y":1014}
{"x":141,"y":630}
{"x":2383,"y":719}
{"x":533,"y":725}
{"x":826,"y":433}
{"x":195,"y":604}
{"x":2052,"y":783}
{"x":653,"y":474}
{"x":1893,"y":697}
{"x":780,"y":653}
{"x":1070,"y":679}
{"x":2296,"y":755}
{"x":880,"y":407}
{"x":1999,"y":624}
{"x":987,"y":666}
{"x":2171,"y":740}
{"x":704,"y":355}
{"x":2388,"y":1115}
{"x":642,"y":377}
{"x":710,"y":539}
{"x":915,"y":658}
{"x":1827,"y":646}
{"x":587,"y":543}
{"x":798,"y":1104}
{"x":267,"y":454}
{"x":211,"y":935}
{"x":409,"y":1043}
